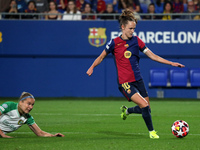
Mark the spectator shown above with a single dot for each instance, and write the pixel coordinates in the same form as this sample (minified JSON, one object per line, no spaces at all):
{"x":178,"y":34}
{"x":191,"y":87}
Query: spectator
{"x":114,"y":3}
{"x":94,"y":5}
{"x":21,"y":5}
{"x":53,"y":10}
{"x":144,"y":5}
{"x":146,"y":2}
{"x":12,"y":11}
{"x":197,"y":17}
{"x":42,"y":5}
{"x":184,"y":5}
{"x":80,"y":5}
{"x":137,"y":16}
{"x":123,"y":4}
{"x":31,"y":9}
{"x":191,"y":10}
{"x":72,"y":13}
{"x":88,"y":10}
{"x":168,"y":9}
{"x":108,"y":2}
{"x":197,"y":4}
{"x":110,"y":11}
{"x":4,"y":5}
{"x":101,"y":6}
{"x":61,"y":5}
{"x":177,"y":8}
{"x":159,"y":5}
{"x":151,"y":12}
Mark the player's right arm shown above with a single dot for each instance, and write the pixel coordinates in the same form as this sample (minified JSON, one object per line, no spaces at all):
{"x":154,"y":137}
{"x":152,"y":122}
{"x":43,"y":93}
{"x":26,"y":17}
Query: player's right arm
{"x":36,"y":129}
{"x":2,"y":134}
{"x":97,"y":61}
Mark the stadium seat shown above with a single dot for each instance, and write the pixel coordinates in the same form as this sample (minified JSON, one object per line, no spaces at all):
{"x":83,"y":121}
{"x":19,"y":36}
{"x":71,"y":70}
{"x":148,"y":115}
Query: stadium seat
{"x":195,"y":77}
{"x":158,"y":77}
{"x":179,"y":77}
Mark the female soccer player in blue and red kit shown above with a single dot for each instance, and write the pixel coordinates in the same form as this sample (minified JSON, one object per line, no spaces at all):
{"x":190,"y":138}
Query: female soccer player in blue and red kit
{"x":125,"y":49}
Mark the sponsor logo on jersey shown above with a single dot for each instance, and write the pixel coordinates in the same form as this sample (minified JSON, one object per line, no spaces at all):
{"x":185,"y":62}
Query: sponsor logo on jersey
{"x":5,"y":105}
{"x":20,"y":122}
{"x":97,"y":36}
{"x":126,"y":45}
{"x":127,"y":54}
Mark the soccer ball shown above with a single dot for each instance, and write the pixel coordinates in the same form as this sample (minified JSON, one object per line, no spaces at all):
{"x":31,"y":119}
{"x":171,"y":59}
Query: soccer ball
{"x":180,"y":128}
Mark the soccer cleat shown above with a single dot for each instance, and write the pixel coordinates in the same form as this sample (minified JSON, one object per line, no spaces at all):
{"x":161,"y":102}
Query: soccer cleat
{"x":123,"y":114}
{"x":153,"y":135}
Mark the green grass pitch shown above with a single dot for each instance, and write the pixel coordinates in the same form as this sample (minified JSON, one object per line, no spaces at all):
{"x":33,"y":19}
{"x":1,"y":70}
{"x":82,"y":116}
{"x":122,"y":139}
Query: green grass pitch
{"x":95,"y":124}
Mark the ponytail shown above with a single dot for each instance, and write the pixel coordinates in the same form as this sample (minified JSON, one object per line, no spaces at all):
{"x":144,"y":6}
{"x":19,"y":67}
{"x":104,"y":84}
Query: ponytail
{"x":127,"y":15}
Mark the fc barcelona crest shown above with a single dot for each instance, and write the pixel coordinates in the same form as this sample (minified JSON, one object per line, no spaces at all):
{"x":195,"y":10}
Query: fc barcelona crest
{"x":97,"y":36}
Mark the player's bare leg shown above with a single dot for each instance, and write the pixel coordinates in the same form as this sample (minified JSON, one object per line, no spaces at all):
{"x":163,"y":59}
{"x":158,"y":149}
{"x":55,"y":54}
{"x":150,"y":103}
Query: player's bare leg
{"x":139,"y":100}
{"x":135,"y":109}
{"x":147,"y":99}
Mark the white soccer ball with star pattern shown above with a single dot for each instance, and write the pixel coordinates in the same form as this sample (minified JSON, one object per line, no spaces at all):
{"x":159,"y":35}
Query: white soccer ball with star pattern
{"x":180,"y":128}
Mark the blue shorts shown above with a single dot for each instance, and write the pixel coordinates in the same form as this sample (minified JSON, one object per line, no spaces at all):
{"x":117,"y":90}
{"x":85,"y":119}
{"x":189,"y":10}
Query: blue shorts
{"x":128,"y":89}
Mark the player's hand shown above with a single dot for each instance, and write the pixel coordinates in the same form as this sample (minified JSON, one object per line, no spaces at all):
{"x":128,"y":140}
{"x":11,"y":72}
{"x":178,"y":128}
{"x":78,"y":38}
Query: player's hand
{"x":59,"y":135}
{"x":177,"y":65}
{"x":6,"y":136}
{"x":89,"y":71}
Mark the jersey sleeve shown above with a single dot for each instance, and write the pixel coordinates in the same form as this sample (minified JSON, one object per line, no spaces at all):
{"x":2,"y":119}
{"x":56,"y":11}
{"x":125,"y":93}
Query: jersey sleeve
{"x":110,"y":46}
{"x":7,"y":106}
{"x":30,"y":120}
{"x":141,"y":44}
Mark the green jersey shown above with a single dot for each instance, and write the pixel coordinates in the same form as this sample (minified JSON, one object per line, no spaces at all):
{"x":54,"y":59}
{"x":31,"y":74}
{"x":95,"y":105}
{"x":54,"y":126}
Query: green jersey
{"x":10,"y":119}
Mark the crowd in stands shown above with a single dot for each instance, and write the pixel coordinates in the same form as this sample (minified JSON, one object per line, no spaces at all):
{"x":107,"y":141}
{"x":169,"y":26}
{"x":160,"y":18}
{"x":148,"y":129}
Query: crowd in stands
{"x":99,"y":9}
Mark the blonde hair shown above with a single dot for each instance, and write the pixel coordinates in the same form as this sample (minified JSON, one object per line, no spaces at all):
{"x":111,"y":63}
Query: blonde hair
{"x":25,"y":95}
{"x":127,"y":15}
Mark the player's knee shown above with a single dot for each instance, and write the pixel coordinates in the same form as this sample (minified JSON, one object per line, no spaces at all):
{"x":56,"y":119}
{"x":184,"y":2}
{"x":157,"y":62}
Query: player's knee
{"x":142,"y":105}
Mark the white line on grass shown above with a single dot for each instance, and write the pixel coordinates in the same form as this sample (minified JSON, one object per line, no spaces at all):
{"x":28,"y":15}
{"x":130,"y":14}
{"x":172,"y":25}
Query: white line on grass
{"x":60,"y":114}
{"x":102,"y":114}
{"x":103,"y":133}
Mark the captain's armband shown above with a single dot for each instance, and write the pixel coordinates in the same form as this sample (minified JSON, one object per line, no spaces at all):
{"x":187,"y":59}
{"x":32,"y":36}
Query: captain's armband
{"x":145,"y":50}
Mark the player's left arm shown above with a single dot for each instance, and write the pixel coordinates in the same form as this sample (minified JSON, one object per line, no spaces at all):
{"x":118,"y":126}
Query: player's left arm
{"x":159,"y":59}
{"x":36,"y":129}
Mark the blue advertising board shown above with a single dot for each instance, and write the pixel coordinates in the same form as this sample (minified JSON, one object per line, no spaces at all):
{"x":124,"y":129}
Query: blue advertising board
{"x":50,"y":58}
{"x":90,"y":37}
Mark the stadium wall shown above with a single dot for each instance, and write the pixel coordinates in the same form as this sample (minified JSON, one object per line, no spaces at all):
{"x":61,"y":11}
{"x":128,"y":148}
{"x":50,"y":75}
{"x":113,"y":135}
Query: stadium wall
{"x":50,"y":58}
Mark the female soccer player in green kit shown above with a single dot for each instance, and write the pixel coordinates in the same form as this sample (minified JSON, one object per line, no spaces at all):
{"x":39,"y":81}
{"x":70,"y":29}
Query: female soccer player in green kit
{"x":14,"y":115}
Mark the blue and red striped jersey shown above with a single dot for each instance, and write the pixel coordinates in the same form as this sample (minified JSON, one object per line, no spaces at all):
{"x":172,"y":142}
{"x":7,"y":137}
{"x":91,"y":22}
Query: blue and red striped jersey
{"x":126,"y":56}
